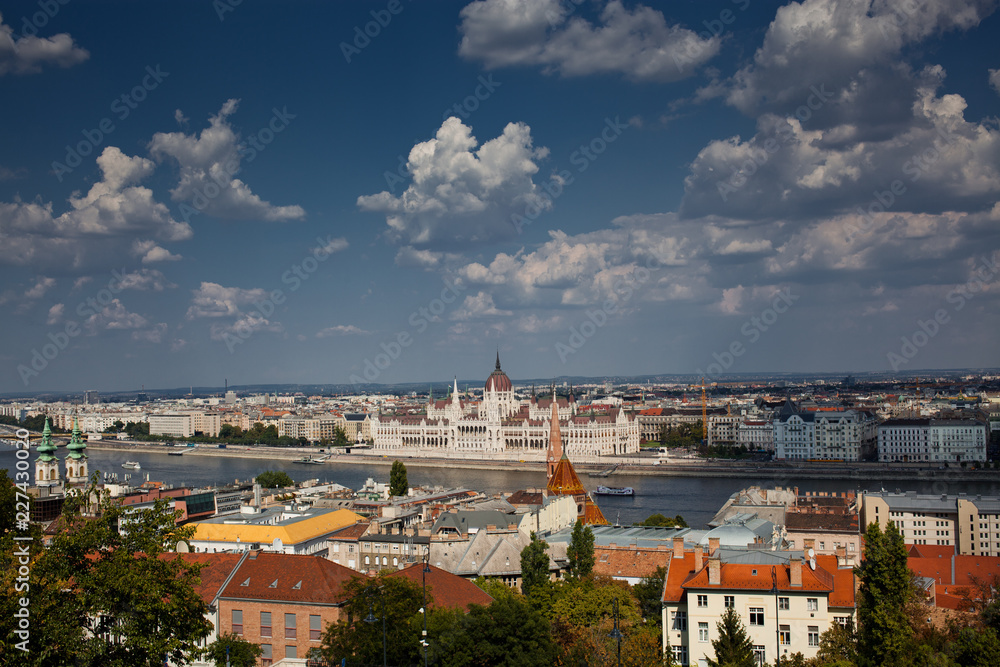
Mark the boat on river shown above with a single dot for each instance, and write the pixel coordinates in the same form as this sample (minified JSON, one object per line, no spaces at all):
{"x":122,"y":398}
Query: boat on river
{"x":131,"y":465}
{"x":615,"y":491}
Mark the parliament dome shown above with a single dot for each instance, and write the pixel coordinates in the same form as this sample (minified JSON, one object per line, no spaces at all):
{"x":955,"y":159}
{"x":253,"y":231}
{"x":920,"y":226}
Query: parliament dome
{"x":498,"y":380}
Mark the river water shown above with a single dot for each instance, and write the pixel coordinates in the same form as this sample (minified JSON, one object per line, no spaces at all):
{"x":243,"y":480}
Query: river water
{"x":697,"y":499}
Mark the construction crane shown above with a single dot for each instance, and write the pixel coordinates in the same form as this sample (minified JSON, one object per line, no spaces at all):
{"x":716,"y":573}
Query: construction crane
{"x":704,"y":414}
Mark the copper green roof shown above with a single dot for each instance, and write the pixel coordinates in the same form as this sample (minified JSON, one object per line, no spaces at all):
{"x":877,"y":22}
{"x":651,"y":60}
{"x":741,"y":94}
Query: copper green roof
{"x":76,"y":444}
{"x":45,"y":447}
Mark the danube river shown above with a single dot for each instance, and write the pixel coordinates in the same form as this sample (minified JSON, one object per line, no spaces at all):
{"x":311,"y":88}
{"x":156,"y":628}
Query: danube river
{"x":695,"y":498}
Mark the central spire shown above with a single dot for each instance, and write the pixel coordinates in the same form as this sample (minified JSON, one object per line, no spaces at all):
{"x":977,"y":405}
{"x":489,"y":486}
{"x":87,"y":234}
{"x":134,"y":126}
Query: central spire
{"x":498,"y":358}
{"x":555,"y":439}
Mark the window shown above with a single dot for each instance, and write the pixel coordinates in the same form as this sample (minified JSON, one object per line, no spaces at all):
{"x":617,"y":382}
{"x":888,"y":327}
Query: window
{"x":680,"y":654}
{"x":812,"y":604}
{"x":756,"y":616}
{"x":729,"y":601}
{"x":843,"y":621}
{"x":783,"y":604}
{"x":265,"y":624}
{"x":290,"y":651}
{"x":289,"y":628}
{"x":784,"y":635}
{"x":315,"y":628}
{"x":703,"y":632}
{"x":702,"y":600}
{"x":760,"y":654}
{"x":237,"y":621}
{"x":366,"y":560}
{"x":678,"y":620}
{"x":814,"y":635}
{"x":266,"y":656}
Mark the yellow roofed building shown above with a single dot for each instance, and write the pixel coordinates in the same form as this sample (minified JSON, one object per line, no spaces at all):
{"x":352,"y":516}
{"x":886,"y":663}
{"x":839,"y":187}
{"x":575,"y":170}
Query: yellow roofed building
{"x":279,"y":530}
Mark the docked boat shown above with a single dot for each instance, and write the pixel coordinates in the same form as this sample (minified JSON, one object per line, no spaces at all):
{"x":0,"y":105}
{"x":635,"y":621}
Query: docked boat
{"x":131,"y":465}
{"x":310,"y":460}
{"x":615,"y":491}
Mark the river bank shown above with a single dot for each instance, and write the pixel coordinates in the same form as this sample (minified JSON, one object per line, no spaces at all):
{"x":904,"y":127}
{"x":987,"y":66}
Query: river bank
{"x":665,"y":467}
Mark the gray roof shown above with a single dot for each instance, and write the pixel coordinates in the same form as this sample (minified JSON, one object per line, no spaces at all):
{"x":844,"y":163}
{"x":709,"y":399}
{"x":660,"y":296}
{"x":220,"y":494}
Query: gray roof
{"x":641,"y":536}
{"x":465,"y":521}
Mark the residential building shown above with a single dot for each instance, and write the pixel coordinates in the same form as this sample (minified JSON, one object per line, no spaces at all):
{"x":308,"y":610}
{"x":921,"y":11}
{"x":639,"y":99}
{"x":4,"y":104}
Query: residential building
{"x":785,"y":600}
{"x":968,"y":524}
{"x":280,"y":529}
{"x":933,"y":440}
{"x":824,"y":435}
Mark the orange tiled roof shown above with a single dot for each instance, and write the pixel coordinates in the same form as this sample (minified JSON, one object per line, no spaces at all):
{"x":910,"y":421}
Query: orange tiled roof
{"x":738,"y":576}
{"x":217,"y":569}
{"x":843,"y":582}
{"x":929,"y":551}
{"x":446,"y":589}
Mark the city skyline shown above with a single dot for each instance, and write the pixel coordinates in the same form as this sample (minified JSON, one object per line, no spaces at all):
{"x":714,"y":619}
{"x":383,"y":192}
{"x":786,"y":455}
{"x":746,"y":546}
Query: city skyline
{"x":389,"y":192}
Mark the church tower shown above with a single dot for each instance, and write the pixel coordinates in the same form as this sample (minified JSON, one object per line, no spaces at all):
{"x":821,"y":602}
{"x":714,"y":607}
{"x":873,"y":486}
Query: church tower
{"x":47,"y":465}
{"x":76,"y":457}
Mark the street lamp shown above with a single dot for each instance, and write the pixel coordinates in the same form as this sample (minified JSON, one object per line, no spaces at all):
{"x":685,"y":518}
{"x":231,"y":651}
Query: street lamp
{"x":372,"y":619}
{"x":617,"y":635}
{"x":423,"y":610}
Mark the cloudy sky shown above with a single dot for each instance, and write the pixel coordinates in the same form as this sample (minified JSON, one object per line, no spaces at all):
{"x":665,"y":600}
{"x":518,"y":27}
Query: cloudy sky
{"x":391,"y":191}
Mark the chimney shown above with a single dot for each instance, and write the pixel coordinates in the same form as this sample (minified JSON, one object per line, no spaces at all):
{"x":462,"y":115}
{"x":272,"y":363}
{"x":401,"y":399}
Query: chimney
{"x":795,"y":572}
{"x":714,"y":571}
{"x":809,"y":543}
{"x":678,"y":547}
{"x":697,"y":559}
{"x":841,"y":555}
{"x":713,"y":545}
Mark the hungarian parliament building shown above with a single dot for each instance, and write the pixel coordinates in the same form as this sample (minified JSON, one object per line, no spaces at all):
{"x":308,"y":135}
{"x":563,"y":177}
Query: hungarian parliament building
{"x":502,"y":426}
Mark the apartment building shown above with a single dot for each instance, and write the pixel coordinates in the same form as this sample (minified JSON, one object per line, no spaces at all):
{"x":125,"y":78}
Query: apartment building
{"x":785,"y":600}
{"x":969,"y":524}
{"x":825,"y":435}
{"x":932,"y":440}
{"x":185,"y":424}
{"x":755,"y":433}
{"x":280,"y":529}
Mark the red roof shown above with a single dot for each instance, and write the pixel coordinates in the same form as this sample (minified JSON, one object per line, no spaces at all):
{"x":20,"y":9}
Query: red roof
{"x":737,"y":576}
{"x":217,"y":569}
{"x":288,"y":578}
{"x":929,"y":551}
{"x":446,"y":589}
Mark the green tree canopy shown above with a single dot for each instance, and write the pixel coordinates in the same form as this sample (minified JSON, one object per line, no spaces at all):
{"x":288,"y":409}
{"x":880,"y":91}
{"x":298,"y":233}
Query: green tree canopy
{"x":534,"y":565}
{"x":507,"y":633}
{"x":664,"y":521}
{"x":273,"y":479}
{"x":241,"y":653}
{"x":884,"y":636}
{"x":358,"y":640}
{"x":733,"y":648}
{"x":398,"y":484}
{"x":581,"y":551}
{"x":649,"y":594}
{"x":106,"y":597}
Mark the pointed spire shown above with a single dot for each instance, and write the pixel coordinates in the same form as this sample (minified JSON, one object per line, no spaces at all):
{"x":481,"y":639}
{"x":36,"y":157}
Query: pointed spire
{"x":454,"y":391}
{"x":555,"y":452}
{"x":76,"y":444}
{"x":498,"y":358}
{"x":45,"y":447}
{"x":430,"y":395}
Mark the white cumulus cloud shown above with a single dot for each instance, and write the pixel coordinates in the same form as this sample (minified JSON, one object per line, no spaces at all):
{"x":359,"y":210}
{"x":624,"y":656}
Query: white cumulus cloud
{"x":28,"y":53}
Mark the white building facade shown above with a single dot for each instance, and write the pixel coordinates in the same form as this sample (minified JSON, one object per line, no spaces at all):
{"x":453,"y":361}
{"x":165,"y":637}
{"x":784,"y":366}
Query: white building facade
{"x":905,"y":440}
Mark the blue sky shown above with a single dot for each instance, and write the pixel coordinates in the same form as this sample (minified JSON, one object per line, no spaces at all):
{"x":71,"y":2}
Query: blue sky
{"x":390,"y":191}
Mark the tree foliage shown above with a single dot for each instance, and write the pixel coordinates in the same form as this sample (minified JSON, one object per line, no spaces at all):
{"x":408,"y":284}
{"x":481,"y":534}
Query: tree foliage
{"x":398,"y":484}
{"x":733,"y":648}
{"x":231,"y":650}
{"x":398,"y":600}
{"x":273,"y":479}
{"x":507,"y":633}
{"x":534,"y":565}
{"x":649,"y":593}
{"x":104,"y":597}
{"x":580,"y":551}
{"x":883,"y":594}
{"x":661,"y":521}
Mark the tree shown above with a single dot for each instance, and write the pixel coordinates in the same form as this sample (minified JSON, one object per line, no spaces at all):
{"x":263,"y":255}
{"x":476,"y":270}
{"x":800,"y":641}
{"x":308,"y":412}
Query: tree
{"x":664,"y":522}
{"x":340,"y":436}
{"x":399,"y":600}
{"x":398,"y":484}
{"x":838,"y":645}
{"x":507,"y":633}
{"x":134,"y":429}
{"x":229,"y":431}
{"x":733,"y":648}
{"x":241,"y":653}
{"x":101,"y":596}
{"x":974,"y":647}
{"x":580,"y":551}
{"x":885,"y":589}
{"x":273,"y":479}
{"x":649,"y":594}
{"x":115,"y":427}
{"x":534,"y":565}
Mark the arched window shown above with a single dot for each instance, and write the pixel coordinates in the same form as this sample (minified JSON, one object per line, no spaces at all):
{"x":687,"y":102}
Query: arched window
{"x":366,"y":560}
